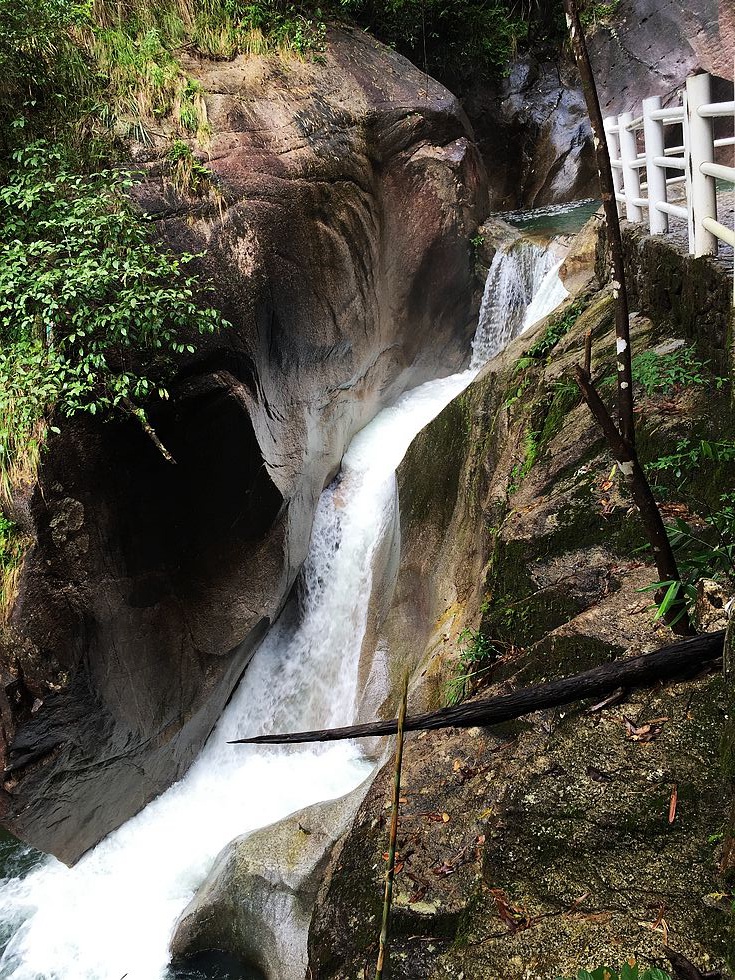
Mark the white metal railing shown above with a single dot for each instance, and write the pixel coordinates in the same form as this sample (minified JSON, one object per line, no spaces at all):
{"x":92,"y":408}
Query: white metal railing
{"x":638,"y":149}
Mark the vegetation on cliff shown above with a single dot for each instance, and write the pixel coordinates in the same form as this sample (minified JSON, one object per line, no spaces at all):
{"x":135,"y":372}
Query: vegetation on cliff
{"x":93,"y":314}
{"x":120,"y":67}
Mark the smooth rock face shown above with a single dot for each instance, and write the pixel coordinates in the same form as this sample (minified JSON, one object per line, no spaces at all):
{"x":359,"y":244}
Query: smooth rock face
{"x":533,"y":129}
{"x":257,"y":901}
{"x":534,"y":135}
{"x":339,"y":253}
{"x":546,"y":845}
{"x":652,"y":45}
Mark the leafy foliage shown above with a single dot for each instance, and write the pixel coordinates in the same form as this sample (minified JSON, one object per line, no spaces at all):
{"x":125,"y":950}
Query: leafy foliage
{"x":598,"y":12}
{"x":31,"y":36}
{"x":704,"y":551}
{"x":689,"y":455}
{"x":447,"y":37}
{"x":92,"y":314}
{"x":662,"y":373}
{"x":704,"y":547}
{"x":477,"y":654}
{"x":557,"y":327}
{"x":117,"y":66}
{"x":629,"y":971}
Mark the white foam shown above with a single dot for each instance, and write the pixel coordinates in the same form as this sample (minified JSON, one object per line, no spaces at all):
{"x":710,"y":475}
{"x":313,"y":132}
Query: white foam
{"x":522,"y":287}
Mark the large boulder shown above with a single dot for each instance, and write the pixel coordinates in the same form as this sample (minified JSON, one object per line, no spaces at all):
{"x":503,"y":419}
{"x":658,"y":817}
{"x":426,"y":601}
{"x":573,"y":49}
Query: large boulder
{"x":338,"y":245}
{"x":257,"y":900}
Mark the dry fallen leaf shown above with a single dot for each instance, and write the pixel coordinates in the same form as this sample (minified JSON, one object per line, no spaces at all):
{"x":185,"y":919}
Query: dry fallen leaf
{"x":515,"y":919}
{"x":646,"y":732}
{"x":672,"y":804}
{"x":445,"y":817}
{"x":660,"y":926}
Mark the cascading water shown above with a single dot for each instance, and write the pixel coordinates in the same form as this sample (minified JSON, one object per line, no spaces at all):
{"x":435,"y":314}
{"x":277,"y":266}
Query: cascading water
{"x":112,"y":914}
{"x":522,"y":286}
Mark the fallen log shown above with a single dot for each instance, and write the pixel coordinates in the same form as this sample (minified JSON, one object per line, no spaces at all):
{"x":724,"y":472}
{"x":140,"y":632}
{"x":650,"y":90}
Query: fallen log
{"x":688,"y":656}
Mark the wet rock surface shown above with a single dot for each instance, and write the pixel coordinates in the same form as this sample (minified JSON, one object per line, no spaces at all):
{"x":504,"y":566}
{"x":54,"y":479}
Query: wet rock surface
{"x":256,"y":902}
{"x":338,"y":243}
{"x":534,"y":135}
{"x":570,"y":838}
{"x":532,"y":127}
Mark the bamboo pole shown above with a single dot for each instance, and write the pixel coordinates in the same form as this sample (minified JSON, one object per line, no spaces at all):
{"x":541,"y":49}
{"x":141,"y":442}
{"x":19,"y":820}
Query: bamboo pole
{"x":389,"y":875}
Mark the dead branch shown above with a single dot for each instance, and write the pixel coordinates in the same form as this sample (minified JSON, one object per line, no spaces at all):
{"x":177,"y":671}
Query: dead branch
{"x":687,"y":656}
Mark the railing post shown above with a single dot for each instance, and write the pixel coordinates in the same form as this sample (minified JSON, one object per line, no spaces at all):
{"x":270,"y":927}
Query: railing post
{"x":631,"y":176}
{"x":698,"y":149}
{"x":653,"y":133}
{"x":613,"y":145}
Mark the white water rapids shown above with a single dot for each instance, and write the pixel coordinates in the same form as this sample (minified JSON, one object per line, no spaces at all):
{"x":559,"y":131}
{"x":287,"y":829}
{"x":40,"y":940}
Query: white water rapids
{"x":522,"y":287}
{"x":112,"y":914}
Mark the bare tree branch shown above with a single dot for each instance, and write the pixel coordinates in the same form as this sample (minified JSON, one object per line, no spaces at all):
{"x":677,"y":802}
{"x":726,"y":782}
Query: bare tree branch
{"x":685,"y":657}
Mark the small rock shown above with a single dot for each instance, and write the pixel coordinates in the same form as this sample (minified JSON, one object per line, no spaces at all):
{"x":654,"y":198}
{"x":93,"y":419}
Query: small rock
{"x":709,"y":612}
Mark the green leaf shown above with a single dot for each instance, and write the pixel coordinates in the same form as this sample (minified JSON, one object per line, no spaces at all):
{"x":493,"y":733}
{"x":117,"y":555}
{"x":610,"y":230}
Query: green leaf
{"x":668,"y":600}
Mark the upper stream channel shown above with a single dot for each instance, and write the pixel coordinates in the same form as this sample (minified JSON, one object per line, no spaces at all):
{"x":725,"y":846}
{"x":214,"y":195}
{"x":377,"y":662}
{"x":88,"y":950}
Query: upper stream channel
{"x":111,"y":915}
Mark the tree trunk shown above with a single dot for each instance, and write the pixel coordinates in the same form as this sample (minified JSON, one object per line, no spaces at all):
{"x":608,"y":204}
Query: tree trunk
{"x":621,"y":438}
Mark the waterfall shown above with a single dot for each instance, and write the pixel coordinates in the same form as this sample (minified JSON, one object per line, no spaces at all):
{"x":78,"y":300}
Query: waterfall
{"x":111,"y":915}
{"x":522,"y":287}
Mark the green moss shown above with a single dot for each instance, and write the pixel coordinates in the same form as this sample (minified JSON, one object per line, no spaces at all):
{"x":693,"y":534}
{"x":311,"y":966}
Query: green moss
{"x":430,"y":492}
{"x":516,"y":613}
{"x":560,"y":656}
{"x":566,"y":396}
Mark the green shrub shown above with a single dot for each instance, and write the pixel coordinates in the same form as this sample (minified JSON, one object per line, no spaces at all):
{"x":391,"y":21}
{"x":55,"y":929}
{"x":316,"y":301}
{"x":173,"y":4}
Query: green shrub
{"x":557,"y":327}
{"x":118,"y":65}
{"x":92,"y":314}
{"x":629,"y":971}
{"x":188,"y":175}
{"x":477,"y":655}
{"x":458,"y":40}
{"x":598,"y":12}
{"x":662,"y":373}
{"x":687,"y":457}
